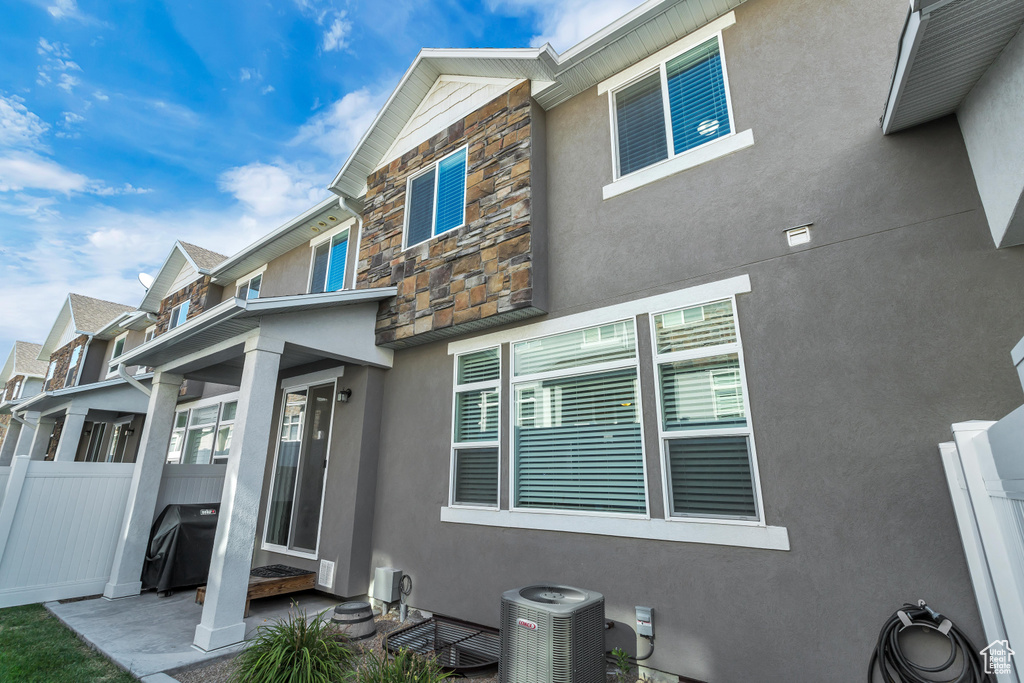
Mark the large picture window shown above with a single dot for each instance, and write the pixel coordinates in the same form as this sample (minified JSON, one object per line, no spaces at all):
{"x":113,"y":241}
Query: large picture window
{"x":705,"y":432}
{"x":679,"y":106}
{"x":577,"y":440}
{"x":475,"y":431}
{"x":201,"y":434}
{"x":436,"y":199}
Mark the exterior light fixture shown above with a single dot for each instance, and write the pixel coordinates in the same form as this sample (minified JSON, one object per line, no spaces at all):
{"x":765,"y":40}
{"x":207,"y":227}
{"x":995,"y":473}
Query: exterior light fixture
{"x":128,"y":431}
{"x":344,"y":395}
{"x":322,"y":224}
{"x":331,"y":218}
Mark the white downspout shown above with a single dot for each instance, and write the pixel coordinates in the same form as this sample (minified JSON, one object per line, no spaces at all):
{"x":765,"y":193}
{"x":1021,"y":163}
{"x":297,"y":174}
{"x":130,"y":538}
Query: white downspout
{"x":123,"y":374}
{"x":359,"y":235}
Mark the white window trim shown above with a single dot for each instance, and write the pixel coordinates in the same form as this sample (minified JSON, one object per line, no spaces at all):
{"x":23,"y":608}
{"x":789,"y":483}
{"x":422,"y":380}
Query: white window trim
{"x":595,"y":368}
{"x":174,"y":315}
{"x":433,"y":218}
{"x":248,"y":278}
{"x":316,"y":242}
{"x":112,"y":366}
{"x":665,"y":435}
{"x":284,"y":550}
{"x":468,"y":445}
{"x":745,"y":536}
{"x":674,"y":163}
{"x":325,"y":235}
{"x":187,"y":408}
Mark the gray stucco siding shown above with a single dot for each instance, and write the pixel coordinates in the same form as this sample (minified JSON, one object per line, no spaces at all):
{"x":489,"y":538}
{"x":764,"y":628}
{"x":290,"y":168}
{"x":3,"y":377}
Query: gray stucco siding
{"x":861,"y":349}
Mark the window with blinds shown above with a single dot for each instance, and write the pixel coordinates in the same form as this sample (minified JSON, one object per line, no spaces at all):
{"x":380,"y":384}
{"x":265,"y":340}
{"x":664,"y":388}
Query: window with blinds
{"x":436,"y":199}
{"x":576,"y":425}
{"x":327,"y":273}
{"x":475,"y":432}
{"x":678,"y":107}
{"x":704,"y":429}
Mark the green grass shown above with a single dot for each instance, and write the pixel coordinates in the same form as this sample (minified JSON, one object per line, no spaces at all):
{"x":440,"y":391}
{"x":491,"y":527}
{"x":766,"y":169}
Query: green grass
{"x":36,"y":648}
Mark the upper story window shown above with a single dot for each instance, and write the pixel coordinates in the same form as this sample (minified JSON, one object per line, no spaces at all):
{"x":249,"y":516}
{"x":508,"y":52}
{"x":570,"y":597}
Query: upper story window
{"x":119,"y":346}
{"x":50,"y":370}
{"x":327,"y":272}
{"x":179,"y":314}
{"x":249,"y":288}
{"x":73,"y":366}
{"x":681,"y":104}
{"x":150,"y":333}
{"x":436,"y":199}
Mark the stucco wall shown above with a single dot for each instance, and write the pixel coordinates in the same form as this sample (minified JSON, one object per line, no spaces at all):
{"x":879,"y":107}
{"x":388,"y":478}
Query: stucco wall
{"x":992,"y":120}
{"x":860,"y":349}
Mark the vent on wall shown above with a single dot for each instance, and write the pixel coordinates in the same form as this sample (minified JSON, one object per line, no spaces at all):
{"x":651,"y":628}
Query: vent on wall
{"x":326,"y":575}
{"x":799,"y":235}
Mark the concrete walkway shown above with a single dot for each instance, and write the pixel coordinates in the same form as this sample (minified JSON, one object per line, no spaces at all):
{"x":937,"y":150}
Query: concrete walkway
{"x":147,"y":635}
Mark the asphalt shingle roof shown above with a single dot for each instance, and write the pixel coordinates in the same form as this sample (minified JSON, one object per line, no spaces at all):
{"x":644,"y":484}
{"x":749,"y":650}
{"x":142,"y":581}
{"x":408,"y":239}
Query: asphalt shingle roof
{"x":92,"y":315}
{"x":25,"y":358}
{"x":204,"y":258}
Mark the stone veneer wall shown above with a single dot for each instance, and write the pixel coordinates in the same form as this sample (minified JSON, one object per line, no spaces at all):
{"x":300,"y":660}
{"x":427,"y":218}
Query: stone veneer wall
{"x":63,"y":358}
{"x":198,"y":295}
{"x":8,"y":392}
{"x":478,"y":275}
{"x":5,"y":424}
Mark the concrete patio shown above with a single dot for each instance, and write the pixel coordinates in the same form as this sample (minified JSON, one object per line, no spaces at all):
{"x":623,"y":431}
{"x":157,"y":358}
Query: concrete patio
{"x":147,"y":635}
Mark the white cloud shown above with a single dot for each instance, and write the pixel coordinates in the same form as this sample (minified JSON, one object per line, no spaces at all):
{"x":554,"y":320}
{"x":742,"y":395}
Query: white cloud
{"x":337,"y":129}
{"x":101,"y":96}
{"x":267,"y":90}
{"x":68,"y":82}
{"x":21,"y":171}
{"x":105,"y":191}
{"x":247,"y":74}
{"x":56,"y":49}
{"x":564,"y":24}
{"x":336,"y":36}
{"x":63,"y":9}
{"x":273,"y":190}
{"x":18,"y":126}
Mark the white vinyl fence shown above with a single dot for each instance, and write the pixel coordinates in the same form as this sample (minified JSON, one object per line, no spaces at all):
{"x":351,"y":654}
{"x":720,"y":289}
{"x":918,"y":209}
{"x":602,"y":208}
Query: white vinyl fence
{"x":985,"y":471}
{"x":190,"y":484}
{"x":59,"y":524}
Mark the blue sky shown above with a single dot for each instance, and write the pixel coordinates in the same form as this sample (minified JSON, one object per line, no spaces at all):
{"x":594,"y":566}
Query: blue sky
{"x":127,"y":125}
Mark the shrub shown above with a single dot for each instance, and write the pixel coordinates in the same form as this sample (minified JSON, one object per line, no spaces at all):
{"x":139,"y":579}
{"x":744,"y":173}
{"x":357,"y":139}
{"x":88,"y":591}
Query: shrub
{"x":292,"y":650}
{"x":406,"y":667}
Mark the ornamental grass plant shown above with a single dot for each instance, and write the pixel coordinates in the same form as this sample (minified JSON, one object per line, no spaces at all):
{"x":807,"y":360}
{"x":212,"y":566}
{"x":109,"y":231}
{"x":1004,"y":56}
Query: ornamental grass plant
{"x":405,"y":667}
{"x":296,"y":650}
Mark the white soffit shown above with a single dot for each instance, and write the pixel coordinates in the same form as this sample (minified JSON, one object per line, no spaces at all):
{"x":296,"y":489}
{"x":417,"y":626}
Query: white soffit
{"x":642,"y":32}
{"x":945,"y":49}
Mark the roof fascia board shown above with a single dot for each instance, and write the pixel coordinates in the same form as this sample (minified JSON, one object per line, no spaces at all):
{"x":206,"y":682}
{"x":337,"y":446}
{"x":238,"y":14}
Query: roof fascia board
{"x":910,"y":41}
{"x":63,"y":318}
{"x":148,"y":300}
{"x":600,"y":40}
{"x":9,"y":366}
{"x":227,"y":264}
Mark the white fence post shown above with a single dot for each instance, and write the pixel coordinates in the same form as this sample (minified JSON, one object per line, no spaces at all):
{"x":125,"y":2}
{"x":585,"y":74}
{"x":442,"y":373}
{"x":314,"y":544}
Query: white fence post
{"x":12,"y":494}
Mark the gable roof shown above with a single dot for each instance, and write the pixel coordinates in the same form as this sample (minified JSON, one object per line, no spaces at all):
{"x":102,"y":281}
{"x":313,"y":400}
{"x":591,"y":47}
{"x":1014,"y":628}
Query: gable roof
{"x":182,"y":253}
{"x":23,"y":360}
{"x":555,"y":77}
{"x":84,"y":315}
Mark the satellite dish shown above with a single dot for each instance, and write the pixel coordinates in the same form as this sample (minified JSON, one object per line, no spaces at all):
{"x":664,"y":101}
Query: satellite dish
{"x":146,"y":279}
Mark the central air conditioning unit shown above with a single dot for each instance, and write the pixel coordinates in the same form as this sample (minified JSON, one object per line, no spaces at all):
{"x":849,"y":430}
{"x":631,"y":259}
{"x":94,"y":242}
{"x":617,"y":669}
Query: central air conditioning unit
{"x":552,"y":634}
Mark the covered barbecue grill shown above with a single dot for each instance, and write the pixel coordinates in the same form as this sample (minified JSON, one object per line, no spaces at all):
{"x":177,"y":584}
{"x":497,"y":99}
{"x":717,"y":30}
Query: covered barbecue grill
{"x":180,"y":547}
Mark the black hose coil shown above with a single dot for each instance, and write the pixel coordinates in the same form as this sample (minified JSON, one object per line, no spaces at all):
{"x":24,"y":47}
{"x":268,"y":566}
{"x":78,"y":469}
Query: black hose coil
{"x":895,"y":667}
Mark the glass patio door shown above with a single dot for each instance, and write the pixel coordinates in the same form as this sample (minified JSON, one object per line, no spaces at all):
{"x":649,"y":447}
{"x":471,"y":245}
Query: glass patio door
{"x":296,"y":493}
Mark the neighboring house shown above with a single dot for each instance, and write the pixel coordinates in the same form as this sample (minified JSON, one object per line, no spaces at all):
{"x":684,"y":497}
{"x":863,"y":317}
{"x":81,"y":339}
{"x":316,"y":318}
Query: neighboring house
{"x":665,"y":316}
{"x":21,"y":378}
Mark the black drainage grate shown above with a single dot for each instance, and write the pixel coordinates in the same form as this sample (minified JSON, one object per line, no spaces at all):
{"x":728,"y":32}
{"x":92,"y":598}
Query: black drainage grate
{"x":459,"y":646}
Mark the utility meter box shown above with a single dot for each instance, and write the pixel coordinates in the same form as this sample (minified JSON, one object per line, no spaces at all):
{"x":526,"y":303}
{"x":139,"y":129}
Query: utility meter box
{"x":387,"y":584}
{"x":645,"y":621}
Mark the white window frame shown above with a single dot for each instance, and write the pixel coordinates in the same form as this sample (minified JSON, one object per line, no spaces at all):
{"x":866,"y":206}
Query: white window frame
{"x":591,"y":369}
{"x":248,"y":279}
{"x":466,"y":445}
{"x":221,"y":423}
{"x":187,"y":408}
{"x":72,"y":373}
{"x":150,"y":334}
{"x":664,"y":436}
{"x":433,"y":216}
{"x":695,"y":156}
{"x":173,"y":322}
{"x":284,"y":550}
{"x":112,"y":366}
{"x":316,"y":242}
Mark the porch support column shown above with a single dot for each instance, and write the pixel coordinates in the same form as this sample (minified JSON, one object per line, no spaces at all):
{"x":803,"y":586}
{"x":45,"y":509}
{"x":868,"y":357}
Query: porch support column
{"x":71,"y":434}
{"x":149,"y":468}
{"x":226,"y":587}
{"x":28,"y":432}
{"x":10,"y":441}
{"x":41,"y":439}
